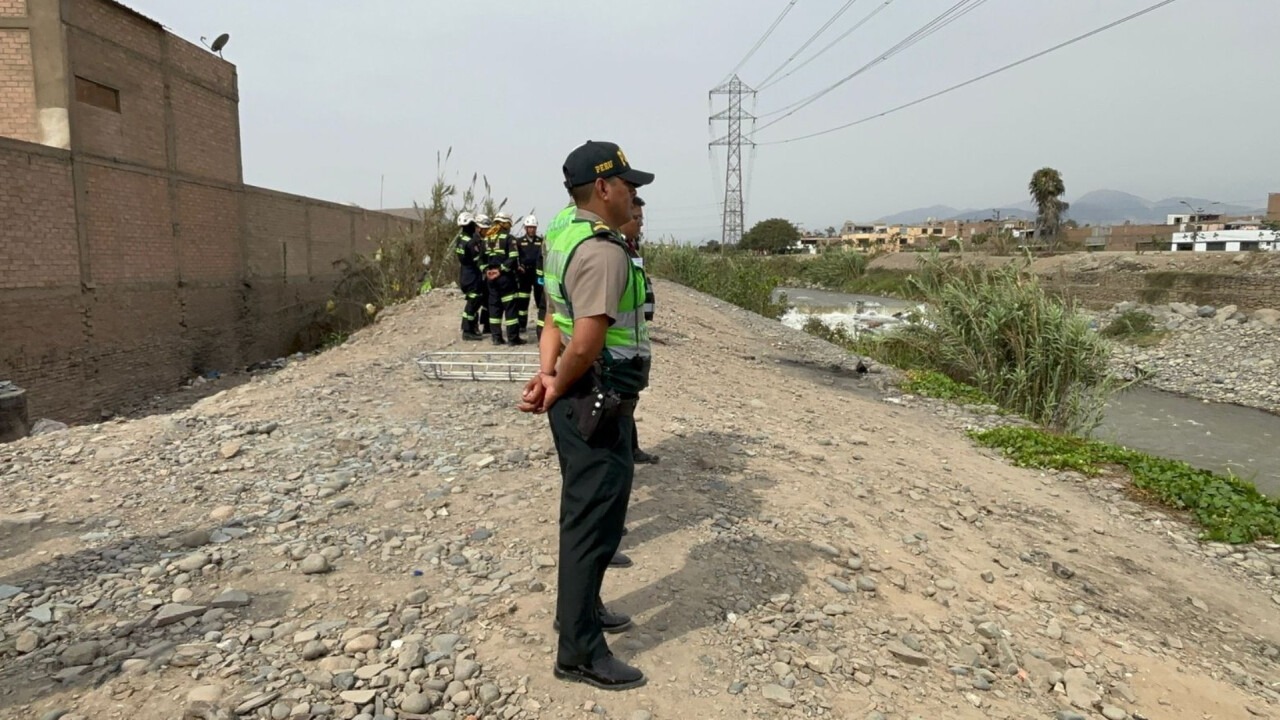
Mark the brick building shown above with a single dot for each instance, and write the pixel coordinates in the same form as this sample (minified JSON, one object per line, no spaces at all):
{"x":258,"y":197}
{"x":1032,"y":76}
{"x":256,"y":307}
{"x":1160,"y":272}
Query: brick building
{"x":131,"y":253}
{"x":1126,"y":238}
{"x":1273,"y":207}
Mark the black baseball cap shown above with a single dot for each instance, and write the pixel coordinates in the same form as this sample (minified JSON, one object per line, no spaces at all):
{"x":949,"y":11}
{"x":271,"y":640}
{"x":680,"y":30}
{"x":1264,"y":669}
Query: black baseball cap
{"x":596,"y":159}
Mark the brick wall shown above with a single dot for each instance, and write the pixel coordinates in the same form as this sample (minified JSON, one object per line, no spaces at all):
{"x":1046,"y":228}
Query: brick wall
{"x":1125,"y":238}
{"x":180,"y":277}
{"x":38,"y":247}
{"x":276,"y":234}
{"x":208,"y":233}
{"x":140,"y":259}
{"x":13,"y":8}
{"x":1273,"y":207}
{"x":137,"y":133}
{"x":17,"y":82}
{"x":206,"y":127}
{"x":124,"y":28}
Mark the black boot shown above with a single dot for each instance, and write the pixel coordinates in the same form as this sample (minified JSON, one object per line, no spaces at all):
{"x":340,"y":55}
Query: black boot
{"x":620,"y":561}
{"x":606,"y":673}
{"x":497,"y":340}
{"x":645,"y":458}
{"x":516,"y":339}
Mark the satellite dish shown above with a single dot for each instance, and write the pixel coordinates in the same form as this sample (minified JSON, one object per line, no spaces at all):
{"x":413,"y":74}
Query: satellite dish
{"x":219,"y":43}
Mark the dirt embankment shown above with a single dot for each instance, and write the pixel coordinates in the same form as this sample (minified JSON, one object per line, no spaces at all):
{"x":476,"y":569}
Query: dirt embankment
{"x":345,"y":538}
{"x":1227,"y":263}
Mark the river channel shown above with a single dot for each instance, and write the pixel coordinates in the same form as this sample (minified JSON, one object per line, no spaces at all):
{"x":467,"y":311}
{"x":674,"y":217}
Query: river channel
{"x":1212,"y":436}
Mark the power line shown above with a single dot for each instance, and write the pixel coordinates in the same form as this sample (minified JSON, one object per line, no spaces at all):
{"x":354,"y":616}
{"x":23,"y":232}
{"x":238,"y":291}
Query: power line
{"x":848,"y":4}
{"x":760,"y":42}
{"x":982,"y":77}
{"x":831,"y":44}
{"x":947,"y":17}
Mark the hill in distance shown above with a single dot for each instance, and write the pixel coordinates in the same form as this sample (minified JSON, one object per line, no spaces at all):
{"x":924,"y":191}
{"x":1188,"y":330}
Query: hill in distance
{"x":1100,"y":207}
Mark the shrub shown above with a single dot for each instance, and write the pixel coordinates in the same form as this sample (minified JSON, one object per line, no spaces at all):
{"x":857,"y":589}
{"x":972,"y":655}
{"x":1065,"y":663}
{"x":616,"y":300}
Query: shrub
{"x":997,"y":329}
{"x":1134,"y":327}
{"x":744,"y":281}
{"x":834,"y":270}
{"x":928,"y":383}
{"x":837,"y":336}
{"x":394,"y":271}
{"x":1228,"y":508}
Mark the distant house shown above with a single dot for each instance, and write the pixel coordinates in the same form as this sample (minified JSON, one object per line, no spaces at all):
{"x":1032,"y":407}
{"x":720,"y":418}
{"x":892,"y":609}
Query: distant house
{"x":895,"y":237}
{"x":1239,"y":236}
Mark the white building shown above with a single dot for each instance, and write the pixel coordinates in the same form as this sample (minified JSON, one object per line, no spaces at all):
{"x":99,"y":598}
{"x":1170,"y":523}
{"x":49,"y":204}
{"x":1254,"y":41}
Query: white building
{"x":1226,"y":241}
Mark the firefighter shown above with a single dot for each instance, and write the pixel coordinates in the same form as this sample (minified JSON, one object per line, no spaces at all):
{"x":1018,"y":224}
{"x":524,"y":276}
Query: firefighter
{"x":502,"y":257}
{"x":484,"y":225}
{"x":529,"y":249}
{"x":469,"y":248}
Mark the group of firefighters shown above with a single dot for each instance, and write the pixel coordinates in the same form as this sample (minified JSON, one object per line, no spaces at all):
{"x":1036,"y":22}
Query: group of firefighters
{"x":500,"y":273}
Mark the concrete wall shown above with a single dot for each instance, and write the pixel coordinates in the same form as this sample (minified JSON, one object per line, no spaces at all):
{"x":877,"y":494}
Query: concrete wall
{"x":133,"y":256}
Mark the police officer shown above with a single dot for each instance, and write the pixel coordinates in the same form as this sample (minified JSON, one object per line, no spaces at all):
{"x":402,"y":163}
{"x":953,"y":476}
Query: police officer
{"x":594,"y":361}
{"x":469,"y":248}
{"x":528,"y":272}
{"x":632,"y":232}
{"x":502,"y":258}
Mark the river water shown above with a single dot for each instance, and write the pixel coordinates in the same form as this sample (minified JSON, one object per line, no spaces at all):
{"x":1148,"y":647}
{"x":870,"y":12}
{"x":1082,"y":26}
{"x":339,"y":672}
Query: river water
{"x":1212,"y":436}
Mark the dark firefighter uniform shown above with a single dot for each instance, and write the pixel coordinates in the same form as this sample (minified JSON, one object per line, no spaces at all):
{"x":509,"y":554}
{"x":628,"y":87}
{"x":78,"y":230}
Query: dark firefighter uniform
{"x":529,"y":270}
{"x":469,"y":248}
{"x":501,"y":255}
{"x":540,"y":295}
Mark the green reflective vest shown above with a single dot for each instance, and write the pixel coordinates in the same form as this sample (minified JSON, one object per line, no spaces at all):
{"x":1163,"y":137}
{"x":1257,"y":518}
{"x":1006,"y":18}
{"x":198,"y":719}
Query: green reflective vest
{"x":626,"y":355}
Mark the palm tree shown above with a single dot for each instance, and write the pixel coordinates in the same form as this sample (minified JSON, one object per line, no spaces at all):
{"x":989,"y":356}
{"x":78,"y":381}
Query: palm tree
{"x":1046,"y":188}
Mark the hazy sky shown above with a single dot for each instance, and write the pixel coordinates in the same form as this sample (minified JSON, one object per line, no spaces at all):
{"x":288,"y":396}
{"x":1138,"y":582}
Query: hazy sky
{"x":334,"y":95}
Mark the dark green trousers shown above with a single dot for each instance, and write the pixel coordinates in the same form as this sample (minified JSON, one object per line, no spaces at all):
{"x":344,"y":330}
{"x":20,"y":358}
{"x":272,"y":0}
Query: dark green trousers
{"x":595,"y":489}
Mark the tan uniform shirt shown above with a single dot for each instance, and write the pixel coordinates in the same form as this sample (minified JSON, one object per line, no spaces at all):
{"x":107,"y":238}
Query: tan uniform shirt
{"x":597,"y":276}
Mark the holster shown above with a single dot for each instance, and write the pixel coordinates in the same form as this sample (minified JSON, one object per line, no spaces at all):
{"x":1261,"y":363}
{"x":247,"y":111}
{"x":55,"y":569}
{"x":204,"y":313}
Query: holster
{"x":591,"y":404}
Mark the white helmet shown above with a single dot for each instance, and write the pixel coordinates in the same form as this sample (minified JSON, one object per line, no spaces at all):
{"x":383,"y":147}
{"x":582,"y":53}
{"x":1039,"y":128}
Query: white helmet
{"x":465,"y":218}
{"x":502,"y":218}
{"x":483,"y":220}
{"x":530,"y":221}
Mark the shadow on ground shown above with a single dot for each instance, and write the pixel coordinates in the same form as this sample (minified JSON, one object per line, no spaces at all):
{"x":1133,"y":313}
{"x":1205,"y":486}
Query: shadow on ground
{"x":704,"y":483}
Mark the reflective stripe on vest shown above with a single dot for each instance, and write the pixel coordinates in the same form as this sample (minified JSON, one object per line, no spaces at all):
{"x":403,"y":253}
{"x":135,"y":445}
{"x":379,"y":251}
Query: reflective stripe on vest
{"x":628,"y":336}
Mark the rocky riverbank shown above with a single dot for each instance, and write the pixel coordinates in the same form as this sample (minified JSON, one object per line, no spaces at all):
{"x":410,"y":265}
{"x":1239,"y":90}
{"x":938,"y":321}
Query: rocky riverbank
{"x":345,"y":538}
{"x":1217,"y":354}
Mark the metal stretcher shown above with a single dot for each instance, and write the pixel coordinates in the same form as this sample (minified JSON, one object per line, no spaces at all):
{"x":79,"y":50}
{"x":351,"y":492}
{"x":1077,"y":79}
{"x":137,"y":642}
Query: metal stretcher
{"x":479,"y":366}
